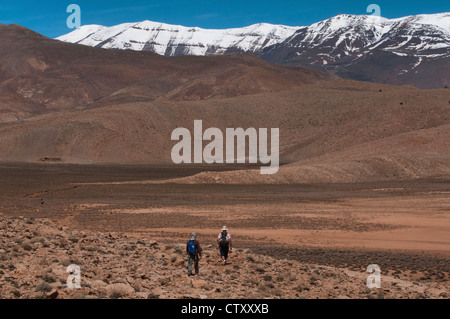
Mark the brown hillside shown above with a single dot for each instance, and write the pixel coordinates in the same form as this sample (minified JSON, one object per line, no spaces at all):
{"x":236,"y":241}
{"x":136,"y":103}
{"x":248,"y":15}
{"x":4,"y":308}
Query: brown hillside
{"x":76,"y":104}
{"x":39,"y":75}
{"x":314,"y":120}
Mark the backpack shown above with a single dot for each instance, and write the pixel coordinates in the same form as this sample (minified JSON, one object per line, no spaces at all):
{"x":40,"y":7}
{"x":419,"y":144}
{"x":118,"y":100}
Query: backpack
{"x":191,"y":247}
{"x":224,"y":239}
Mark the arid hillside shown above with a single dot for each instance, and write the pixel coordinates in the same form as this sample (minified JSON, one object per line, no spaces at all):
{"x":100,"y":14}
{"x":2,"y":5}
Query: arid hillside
{"x":75,"y":104}
{"x":329,"y":131}
{"x":41,"y":75}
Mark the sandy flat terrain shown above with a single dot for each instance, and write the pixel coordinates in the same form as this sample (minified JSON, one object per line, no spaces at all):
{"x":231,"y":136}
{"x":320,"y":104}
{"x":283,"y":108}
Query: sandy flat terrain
{"x":402,"y":226}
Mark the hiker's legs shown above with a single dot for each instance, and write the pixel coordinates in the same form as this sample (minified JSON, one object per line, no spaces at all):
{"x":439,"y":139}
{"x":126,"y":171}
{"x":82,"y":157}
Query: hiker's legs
{"x":190,"y":260}
{"x":224,"y":254}
{"x":196,"y":264}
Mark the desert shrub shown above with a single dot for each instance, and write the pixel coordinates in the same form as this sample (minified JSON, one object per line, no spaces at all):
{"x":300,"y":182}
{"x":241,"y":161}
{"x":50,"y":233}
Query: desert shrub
{"x":252,"y":282}
{"x":27,"y":246}
{"x":73,"y":240}
{"x":260,"y":270}
{"x":63,"y":242}
{"x":119,"y":290}
{"x":92,"y":248}
{"x":49,"y":278}
{"x":264,"y":286}
{"x":302,"y":287}
{"x":43,"y":287}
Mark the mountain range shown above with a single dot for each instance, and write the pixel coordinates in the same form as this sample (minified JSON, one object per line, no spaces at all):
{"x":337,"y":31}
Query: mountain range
{"x":40,"y":75}
{"x":410,"y":50}
{"x":72,"y":103}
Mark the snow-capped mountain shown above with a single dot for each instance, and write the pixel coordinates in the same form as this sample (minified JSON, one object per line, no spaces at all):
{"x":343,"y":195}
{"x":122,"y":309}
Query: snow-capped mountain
{"x":409,"y":50}
{"x":172,"y":40}
{"x":345,"y":38}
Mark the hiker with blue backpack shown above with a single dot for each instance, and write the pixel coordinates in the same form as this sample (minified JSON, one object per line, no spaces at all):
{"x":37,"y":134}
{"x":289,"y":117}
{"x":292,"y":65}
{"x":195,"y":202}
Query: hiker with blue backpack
{"x":194,"y":252}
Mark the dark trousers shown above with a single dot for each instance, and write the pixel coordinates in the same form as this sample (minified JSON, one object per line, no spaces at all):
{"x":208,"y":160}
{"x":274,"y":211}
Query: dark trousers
{"x":224,"y":251}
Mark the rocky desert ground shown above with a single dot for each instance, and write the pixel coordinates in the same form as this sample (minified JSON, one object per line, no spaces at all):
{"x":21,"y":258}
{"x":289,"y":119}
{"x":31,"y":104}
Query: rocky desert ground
{"x":291,"y":241}
{"x":37,"y":252}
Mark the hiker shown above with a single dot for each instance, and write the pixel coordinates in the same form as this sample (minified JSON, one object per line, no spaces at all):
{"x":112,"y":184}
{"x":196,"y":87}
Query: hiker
{"x":194,"y":252}
{"x":42,"y":201}
{"x":224,"y":244}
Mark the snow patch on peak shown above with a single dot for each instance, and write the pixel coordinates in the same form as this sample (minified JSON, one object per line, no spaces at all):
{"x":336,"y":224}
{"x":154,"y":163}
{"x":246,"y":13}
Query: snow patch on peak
{"x":165,"y":38}
{"x":343,"y":33}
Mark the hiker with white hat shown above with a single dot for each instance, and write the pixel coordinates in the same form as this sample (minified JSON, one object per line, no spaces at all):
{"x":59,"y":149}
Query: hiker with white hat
{"x":224,"y":244}
{"x":194,"y":252}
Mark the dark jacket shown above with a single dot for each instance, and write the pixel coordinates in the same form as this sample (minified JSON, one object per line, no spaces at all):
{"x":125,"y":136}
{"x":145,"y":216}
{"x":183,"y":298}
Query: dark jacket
{"x":198,"y":249}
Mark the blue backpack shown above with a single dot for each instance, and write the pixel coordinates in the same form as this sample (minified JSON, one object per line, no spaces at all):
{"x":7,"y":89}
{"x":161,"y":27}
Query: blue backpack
{"x":191,"y":247}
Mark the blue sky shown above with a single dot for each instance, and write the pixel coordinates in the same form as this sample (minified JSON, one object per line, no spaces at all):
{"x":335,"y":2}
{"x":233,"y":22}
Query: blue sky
{"x":49,"y":16}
